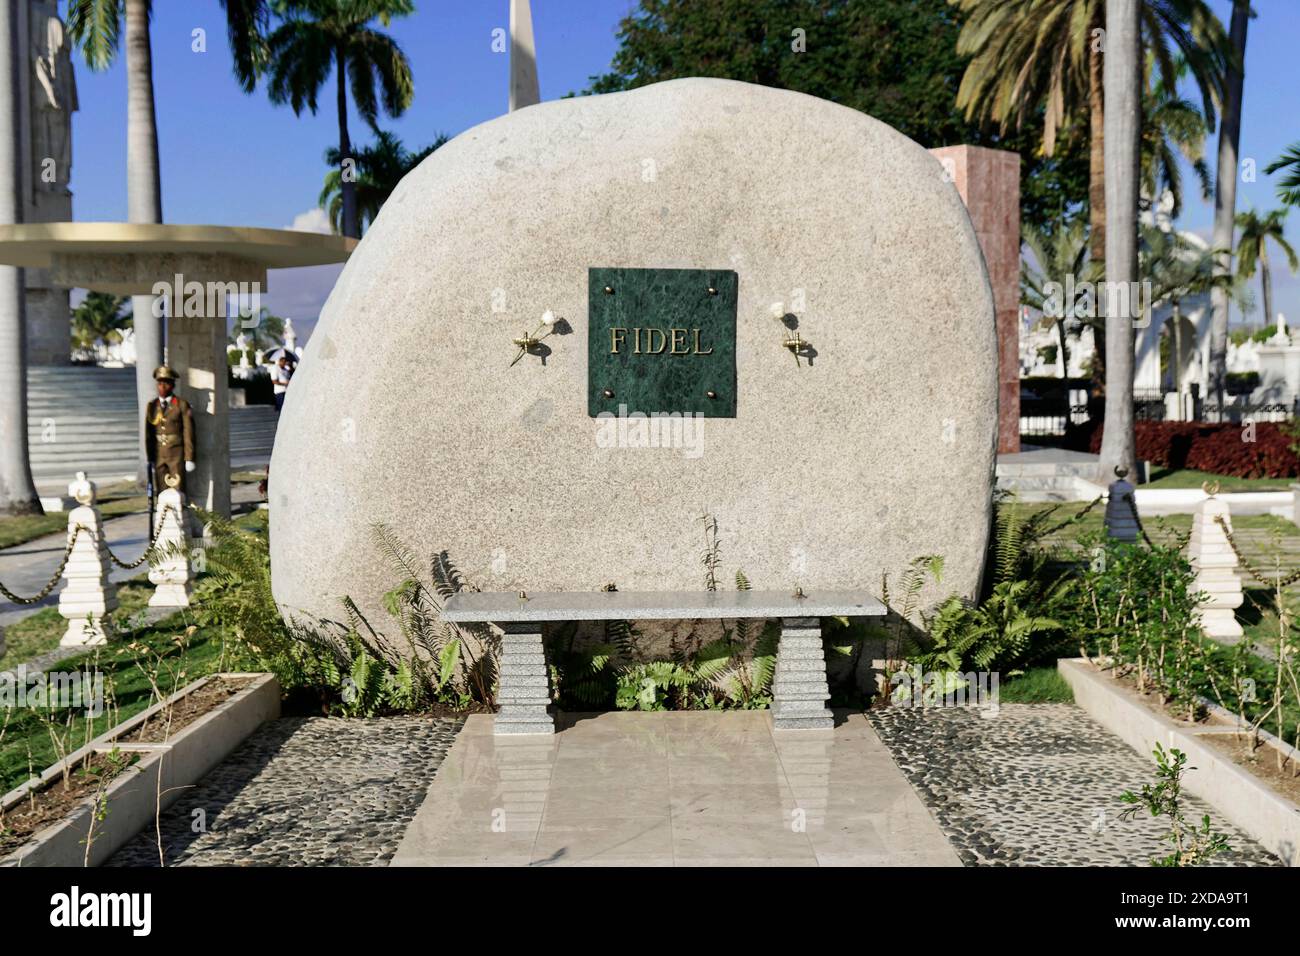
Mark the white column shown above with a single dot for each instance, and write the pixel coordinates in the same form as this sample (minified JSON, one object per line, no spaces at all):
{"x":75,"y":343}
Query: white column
{"x":524,"y":88}
{"x":196,"y":348}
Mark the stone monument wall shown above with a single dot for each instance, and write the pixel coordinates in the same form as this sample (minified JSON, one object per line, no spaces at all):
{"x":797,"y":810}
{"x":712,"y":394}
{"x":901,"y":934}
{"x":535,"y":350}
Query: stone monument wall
{"x":870,"y":447}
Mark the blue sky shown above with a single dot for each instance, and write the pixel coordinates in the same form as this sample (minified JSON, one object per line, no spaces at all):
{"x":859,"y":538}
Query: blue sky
{"x":1270,"y":122}
{"x":235,"y":159}
{"x":230,"y":158}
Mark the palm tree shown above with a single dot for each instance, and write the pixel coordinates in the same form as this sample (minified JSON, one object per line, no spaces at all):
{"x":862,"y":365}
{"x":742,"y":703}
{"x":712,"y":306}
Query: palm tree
{"x":246,"y":22}
{"x":1171,"y":126}
{"x":319,"y":35}
{"x":1288,"y":188}
{"x":1123,"y":106}
{"x":380,"y":167}
{"x":99,"y":318}
{"x":96,"y":25}
{"x":1225,"y":200}
{"x":265,"y":334}
{"x":1053,"y":257}
{"x":1032,"y":56}
{"x":1252,"y":250}
{"x":17,"y":492}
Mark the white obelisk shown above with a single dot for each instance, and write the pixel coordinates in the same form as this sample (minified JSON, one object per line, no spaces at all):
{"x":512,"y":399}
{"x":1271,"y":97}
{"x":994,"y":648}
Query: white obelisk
{"x":524,"y":90}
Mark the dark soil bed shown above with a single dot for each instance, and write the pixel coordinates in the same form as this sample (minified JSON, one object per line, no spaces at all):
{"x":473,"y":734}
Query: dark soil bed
{"x":56,"y":801}
{"x":1262,"y":763}
{"x":164,"y":725}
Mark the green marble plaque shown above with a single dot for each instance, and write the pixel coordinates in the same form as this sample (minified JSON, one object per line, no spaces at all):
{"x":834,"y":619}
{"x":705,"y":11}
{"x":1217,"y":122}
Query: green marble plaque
{"x":662,"y":341}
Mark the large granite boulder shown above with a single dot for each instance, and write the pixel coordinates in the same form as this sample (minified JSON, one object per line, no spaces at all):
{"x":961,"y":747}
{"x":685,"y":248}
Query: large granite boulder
{"x":407,"y":411}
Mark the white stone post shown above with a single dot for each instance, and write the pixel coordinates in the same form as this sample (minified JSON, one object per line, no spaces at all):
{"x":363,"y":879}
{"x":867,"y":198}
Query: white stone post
{"x":524,"y":688}
{"x":1214,"y":561}
{"x":89,"y":593}
{"x":1121,"y":508}
{"x":799,"y":688}
{"x":170,"y":573}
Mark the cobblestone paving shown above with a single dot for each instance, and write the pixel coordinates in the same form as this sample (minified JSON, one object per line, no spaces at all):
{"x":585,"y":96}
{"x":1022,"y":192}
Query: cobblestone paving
{"x":305,"y":791}
{"x":1037,"y":785}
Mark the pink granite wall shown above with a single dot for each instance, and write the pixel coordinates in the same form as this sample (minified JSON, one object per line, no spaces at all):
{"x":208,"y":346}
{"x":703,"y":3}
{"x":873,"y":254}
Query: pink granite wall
{"x":989,"y":183}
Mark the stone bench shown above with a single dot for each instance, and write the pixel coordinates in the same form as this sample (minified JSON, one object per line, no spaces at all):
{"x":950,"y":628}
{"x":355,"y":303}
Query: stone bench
{"x":799,"y":690}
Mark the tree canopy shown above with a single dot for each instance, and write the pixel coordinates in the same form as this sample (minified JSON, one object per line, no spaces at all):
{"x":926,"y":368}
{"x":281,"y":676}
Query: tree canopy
{"x":895,"y":60}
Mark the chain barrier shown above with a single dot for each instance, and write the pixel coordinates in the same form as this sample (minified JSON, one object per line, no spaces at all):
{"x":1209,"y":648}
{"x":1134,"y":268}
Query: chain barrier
{"x":148,"y":550}
{"x":1268,"y":581}
{"x":1132,"y":505}
{"x":67,"y":555}
{"x":44,"y":592}
{"x":1073,"y":520}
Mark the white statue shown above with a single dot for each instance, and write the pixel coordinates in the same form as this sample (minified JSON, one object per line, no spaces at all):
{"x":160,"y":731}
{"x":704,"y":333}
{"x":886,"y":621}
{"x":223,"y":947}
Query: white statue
{"x":290,"y":337}
{"x":54,"y":99}
{"x":1192,"y":374}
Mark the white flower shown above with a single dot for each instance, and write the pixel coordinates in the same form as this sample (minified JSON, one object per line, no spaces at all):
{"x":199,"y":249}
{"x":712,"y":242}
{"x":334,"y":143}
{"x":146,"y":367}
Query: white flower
{"x":548,"y":317}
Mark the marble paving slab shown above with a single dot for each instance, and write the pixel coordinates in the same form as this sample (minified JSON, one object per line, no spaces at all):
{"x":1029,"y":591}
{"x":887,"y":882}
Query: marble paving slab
{"x":672,"y":789}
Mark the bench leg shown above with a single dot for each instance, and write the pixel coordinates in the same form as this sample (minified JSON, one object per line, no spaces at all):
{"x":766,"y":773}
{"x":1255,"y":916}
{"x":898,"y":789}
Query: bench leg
{"x":799,"y":691}
{"x":524,"y":689}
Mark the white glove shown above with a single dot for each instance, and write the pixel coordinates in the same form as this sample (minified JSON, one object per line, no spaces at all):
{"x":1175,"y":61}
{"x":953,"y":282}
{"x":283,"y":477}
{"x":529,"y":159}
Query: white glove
{"x":189,"y":466}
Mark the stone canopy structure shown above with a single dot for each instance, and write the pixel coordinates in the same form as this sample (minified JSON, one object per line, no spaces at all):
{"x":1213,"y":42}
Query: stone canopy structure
{"x":865,"y":365}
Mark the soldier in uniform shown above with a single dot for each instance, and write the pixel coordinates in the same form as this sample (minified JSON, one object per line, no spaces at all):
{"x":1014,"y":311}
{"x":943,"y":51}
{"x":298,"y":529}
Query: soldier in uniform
{"x":168,"y":432}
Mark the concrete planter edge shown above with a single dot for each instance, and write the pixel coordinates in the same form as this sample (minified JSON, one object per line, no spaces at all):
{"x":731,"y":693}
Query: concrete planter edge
{"x":1243,"y":799}
{"x":133,"y":798}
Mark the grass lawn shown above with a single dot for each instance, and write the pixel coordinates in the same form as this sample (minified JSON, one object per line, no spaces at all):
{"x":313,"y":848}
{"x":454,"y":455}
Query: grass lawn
{"x":1038,"y":685}
{"x":1187,"y":478}
{"x":117,"y":499}
{"x":1163,"y":530}
{"x":40,"y":632}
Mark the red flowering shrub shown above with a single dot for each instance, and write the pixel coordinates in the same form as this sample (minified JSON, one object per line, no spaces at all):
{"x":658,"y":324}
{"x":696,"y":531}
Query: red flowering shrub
{"x":1225,"y":449}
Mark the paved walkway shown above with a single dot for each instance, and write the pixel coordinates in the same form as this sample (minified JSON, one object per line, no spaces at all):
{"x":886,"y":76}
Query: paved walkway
{"x":303,"y":791}
{"x":663,"y":789}
{"x":1036,"y":785}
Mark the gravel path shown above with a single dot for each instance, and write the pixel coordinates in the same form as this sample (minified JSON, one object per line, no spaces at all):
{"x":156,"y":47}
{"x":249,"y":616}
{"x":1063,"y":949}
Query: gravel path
{"x":1036,"y":785}
{"x":304,"y":791}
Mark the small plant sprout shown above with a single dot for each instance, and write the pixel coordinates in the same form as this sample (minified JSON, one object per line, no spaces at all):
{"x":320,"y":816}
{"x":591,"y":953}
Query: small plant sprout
{"x":1192,"y":845}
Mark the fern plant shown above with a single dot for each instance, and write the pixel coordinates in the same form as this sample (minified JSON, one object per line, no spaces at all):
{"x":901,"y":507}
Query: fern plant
{"x":995,"y":634}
